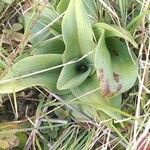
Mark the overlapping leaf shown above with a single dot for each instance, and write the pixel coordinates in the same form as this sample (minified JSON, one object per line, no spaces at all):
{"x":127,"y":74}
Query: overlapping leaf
{"x":116,"y":70}
{"x":112,"y":30}
{"x":62,"y":6}
{"x":91,"y":8}
{"x":36,"y":23}
{"x":78,"y":38}
{"x":50,"y":46}
{"x":77,"y":31}
{"x":28,"y":72}
{"x":91,"y":101}
{"x":89,"y":5}
{"x":73,"y":75}
{"x":35,"y":26}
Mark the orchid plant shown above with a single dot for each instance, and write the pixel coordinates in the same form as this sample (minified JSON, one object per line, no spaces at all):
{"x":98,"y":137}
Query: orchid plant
{"x":87,"y":63}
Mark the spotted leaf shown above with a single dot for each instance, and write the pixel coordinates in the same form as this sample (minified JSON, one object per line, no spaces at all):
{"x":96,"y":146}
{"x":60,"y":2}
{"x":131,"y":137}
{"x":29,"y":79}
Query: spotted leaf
{"x":116,"y":68}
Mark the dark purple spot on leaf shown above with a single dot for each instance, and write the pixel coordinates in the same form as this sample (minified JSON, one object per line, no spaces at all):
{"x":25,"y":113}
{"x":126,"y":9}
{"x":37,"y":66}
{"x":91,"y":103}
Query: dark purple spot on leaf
{"x":105,"y":87}
{"x":116,"y":77}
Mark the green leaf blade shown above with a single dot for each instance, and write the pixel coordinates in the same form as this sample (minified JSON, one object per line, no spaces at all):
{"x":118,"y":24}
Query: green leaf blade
{"x":50,"y":46}
{"x":73,"y":75}
{"x":91,"y":101}
{"x":116,"y":70}
{"x":27,"y":73}
{"x":77,"y":31}
{"x":62,"y":6}
{"x":112,"y":30}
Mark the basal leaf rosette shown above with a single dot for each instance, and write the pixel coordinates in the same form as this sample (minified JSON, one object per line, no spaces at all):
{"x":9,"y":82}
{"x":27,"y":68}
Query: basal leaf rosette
{"x":75,"y":66}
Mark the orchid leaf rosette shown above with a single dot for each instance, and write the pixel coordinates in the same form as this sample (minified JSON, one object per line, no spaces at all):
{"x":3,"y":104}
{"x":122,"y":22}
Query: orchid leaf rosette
{"x":90,"y":63}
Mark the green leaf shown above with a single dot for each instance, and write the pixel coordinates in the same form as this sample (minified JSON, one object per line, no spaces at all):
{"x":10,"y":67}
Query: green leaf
{"x":112,"y":30}
{"x":91,"y":101}
{"x":62,"y":6}
{"x":77,"y":32}
{"x":21,"y":56}
{"x":137,"y":20}
{"x":90,"y":7}
{"x":75,"y":108}
{"x":50,"y":46}
{"x":36,"y":21}
{"x":73,"y":74}
{"x":36,"y":26}
{"x":47,"y":15}
{"x":32,"y":71}
{"x":116,"y":70}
